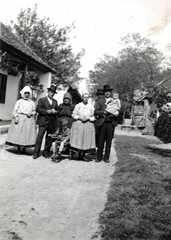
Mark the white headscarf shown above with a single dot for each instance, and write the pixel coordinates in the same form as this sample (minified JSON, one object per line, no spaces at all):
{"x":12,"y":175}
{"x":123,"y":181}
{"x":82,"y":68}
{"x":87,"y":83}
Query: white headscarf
{"x":85,"y":93}
{"x":25,"y":89}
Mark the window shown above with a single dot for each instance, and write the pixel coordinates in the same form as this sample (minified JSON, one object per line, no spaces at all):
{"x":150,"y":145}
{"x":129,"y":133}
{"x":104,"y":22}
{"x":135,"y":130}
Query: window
{"x":3,"y":83}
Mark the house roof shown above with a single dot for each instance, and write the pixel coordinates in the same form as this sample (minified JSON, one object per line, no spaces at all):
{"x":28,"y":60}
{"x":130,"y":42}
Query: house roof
{"x":13,"y":41}
{"x":165,"y":83}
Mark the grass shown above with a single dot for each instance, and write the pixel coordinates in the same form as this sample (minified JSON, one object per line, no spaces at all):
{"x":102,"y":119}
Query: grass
{"x":139,"y":199}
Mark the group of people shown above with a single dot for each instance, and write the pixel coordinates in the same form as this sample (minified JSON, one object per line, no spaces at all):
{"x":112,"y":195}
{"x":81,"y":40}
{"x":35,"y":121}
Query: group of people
{"x":81,"y":128}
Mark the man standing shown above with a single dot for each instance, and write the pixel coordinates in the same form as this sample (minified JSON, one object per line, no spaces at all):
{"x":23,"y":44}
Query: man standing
{"x":47,"y":109}
{"x":106,"y":123}
{"x":100,"y":96}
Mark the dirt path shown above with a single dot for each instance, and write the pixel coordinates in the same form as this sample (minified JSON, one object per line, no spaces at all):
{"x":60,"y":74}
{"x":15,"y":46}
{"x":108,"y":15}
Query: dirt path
{"x":41,"y":200}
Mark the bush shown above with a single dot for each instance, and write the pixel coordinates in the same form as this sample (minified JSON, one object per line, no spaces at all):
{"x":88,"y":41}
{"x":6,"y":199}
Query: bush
{"x":163,"y":127}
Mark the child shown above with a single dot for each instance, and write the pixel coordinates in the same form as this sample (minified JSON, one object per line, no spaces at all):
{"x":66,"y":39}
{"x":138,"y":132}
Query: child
{"x":61,"y":137}
{"x":113,"y":105}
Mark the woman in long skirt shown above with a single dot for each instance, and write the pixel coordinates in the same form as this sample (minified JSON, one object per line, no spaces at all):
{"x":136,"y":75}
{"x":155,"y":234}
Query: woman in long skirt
{"x":82,"y":137}
{"x":22,"y":131}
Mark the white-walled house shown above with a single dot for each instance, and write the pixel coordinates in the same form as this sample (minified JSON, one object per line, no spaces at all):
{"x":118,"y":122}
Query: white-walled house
{"x":25,"y":60}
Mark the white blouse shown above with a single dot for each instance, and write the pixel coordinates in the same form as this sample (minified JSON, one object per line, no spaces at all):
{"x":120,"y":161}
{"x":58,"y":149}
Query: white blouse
{"x":84,"y":112}
{"x":24,"y":106}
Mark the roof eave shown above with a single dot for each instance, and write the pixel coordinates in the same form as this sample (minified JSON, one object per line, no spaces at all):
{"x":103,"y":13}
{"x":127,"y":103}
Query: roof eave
{"x":26,"y":58}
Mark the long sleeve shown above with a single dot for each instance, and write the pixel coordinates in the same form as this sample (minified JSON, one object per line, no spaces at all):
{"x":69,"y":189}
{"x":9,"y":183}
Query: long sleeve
{"x":92,"y":117}
{"x":41,"y":108}
{"x":24,"y":107}
{"x":99,"y":108}
{"x":75,"y":113}
{"x":15,"y":110}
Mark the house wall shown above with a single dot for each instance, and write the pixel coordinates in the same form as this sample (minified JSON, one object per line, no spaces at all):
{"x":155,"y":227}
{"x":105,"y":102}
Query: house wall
{"x":6,"y":109}
{"x":45,"y":80}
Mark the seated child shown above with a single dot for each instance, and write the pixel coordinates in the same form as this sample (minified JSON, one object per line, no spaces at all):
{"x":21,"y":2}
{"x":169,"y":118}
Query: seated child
{"x":61,"y":137}
{"x":113,"y":105}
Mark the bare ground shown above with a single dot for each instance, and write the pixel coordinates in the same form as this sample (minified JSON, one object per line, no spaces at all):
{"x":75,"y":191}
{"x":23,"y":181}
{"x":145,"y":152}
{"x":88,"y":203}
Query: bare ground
{"x":41,"y":200}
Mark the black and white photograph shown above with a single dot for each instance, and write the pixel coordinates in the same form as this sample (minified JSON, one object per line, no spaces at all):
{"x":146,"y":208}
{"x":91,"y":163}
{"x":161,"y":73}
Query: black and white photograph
{"x":85,"y":120}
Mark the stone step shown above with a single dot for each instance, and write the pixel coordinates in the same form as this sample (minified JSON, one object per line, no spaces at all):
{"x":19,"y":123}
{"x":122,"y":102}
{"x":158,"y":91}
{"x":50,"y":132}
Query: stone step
{"x":129,"y":127}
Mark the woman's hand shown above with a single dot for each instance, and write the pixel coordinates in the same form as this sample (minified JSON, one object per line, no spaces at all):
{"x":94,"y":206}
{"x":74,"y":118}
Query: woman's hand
{"x":29,"y":115}
{"x":54,"y":111}
{"x":92,"y":119}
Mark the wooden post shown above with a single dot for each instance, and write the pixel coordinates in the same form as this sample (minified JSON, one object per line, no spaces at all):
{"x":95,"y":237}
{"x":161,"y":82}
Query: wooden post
{"x":24,"y":76}
{"x":22,"y":81}
{"x":146,"y":111}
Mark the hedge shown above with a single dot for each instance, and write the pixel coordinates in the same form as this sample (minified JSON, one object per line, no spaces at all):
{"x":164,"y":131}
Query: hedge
{"x":163,"y":127}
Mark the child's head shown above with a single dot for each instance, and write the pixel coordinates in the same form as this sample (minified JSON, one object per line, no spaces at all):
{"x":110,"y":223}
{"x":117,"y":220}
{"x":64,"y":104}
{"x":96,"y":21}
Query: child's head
{"x":64,"y":123}
{"x":115,"y":95}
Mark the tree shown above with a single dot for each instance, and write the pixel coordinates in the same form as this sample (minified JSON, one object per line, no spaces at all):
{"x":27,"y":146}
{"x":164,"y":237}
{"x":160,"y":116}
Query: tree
{"x":49,"y":42}
{"x":141,"y":60}
{"x":136,"y":67}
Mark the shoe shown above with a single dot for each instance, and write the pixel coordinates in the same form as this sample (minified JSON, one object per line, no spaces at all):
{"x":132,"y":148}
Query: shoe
{"x":98,"y":160}
{"x":35,"y":156}
{"x":70,"y":156}
{"x":53,"y":157}
{"x":80,"y":156}
{"x":45,"y":155}
{"x":18,"y":150}
{"x":106,"y":160}
{"x":23,"y":151}
{"x":57,"y":160}
{"x":86,"y":159}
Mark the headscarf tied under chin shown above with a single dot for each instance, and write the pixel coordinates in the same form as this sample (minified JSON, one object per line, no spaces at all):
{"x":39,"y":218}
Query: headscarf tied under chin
{"x":85,"y":93}
{"x":25,"y":89}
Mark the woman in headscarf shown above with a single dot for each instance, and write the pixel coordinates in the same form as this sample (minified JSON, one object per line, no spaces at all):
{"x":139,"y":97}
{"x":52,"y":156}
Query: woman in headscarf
{"x":22,"y":131}
{"x":82,"y":137}
{"x":65,"y":109}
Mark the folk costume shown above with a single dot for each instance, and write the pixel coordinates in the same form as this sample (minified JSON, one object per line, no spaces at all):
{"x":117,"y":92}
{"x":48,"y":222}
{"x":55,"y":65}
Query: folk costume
{"x":47,"y":109}
{"x":22,"y":131}
{"x":65,"y":109}
{"x":83,"y":131}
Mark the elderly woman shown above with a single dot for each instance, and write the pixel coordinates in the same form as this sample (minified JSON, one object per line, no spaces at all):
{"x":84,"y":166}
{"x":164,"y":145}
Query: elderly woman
{"x":65,"y":109}
{"x":22,"y":131}
{"x":82,"y":137}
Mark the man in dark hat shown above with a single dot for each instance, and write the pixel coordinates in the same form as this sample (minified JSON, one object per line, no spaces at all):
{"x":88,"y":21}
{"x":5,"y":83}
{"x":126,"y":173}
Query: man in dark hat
{"x":47,"y":109}
{"x":100,"y":96}
{"x":99,"y":93}
{"x":106,"y":123}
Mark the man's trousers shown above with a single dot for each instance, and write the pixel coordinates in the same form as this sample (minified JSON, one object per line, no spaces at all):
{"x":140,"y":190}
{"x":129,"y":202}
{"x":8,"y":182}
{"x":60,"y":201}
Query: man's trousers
{"x":105,"y":138}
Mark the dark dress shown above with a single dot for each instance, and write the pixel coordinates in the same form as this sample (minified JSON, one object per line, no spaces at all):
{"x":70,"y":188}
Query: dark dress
{"x":65,"y":111}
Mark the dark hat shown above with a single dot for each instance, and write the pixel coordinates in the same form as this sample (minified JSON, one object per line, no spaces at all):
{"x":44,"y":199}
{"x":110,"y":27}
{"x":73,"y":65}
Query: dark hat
{"x":107,"y":88}
{"x":52,"y":88}
{"x":99,"y":92}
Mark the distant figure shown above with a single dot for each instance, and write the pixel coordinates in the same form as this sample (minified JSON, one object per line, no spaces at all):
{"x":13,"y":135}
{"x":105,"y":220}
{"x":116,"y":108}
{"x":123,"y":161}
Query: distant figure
{"x":22,"y":131}
{"x":65,"y":109}
{"x":47,"y":109}
{"x":83,"y":131}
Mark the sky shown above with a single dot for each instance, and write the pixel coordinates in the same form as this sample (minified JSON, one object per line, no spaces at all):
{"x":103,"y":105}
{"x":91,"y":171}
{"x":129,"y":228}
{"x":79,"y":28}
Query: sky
{"x":100,"y":24}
